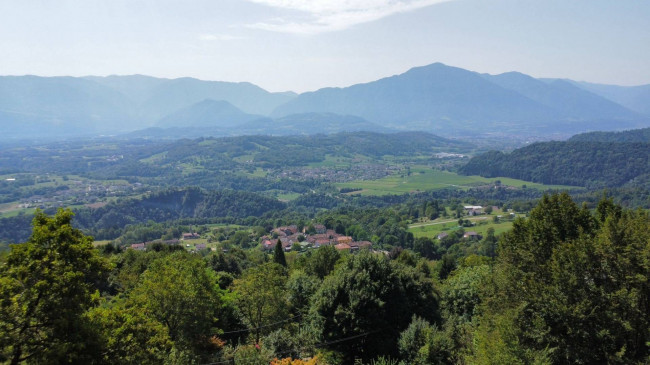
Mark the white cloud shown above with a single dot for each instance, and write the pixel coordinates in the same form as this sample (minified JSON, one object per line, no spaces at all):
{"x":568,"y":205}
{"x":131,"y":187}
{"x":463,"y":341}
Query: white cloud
{"x":218,"y":37}
{"x":319,"y":16}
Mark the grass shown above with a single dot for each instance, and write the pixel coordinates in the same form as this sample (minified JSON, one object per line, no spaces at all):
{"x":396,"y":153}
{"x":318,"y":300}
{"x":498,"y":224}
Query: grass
{"x":98,"y":243}
{"x":192,"y":244}
{"x":483,"y":223}
{"x":259,"y":172}
{"x":15,"y":212}
{"x":424,"y":178}
{"x":288,"y":196}
{"x":208,"y":142}
{"x":244,"y":158}
{"x":223,"y":225}
{"x":155,"y":158}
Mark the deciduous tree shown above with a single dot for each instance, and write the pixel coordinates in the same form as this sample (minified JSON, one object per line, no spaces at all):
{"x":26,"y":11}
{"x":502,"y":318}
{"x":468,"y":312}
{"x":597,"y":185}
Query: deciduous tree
{"x":46,"y":285}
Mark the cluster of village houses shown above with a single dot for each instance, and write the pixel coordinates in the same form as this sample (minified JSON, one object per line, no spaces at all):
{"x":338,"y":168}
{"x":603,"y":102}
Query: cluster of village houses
{"x":291,"y":235}
{"x":288,"y":236}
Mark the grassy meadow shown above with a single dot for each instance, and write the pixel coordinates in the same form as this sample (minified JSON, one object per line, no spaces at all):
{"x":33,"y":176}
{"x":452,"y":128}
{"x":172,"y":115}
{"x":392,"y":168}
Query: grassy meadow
{"x":424,"y":178}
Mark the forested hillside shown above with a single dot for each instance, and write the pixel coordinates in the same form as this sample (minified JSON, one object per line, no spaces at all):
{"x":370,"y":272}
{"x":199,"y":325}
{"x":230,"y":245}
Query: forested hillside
{"x":635,"y":135}
{"x":588,"y":164}
{"x":565,"y":285}
{"x":177,"y":204}
{"x":434,"y":98}
{"x":453,"y":101}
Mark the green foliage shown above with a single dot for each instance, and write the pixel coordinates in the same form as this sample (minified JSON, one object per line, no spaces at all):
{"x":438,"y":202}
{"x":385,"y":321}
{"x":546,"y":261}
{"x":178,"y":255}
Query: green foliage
{"x":488,"y":246}
{"x":181,"y":292}
{"x":565,"y":285}
{"x":261,"y":298}
{"x":445,"y":266}
{"x":234,"y":261}
{"x":322,"y":261}
{"x":497,"y":342}
{"x":423,"y":344}
{"x":281,"y":343}
{"x":590,"y":164}
{"x":300,"y":288}
{"x":47,"y":283}
{"x":368,"y":298}
{"x":413,"y":338}
{"x":278,"y":254}
{"x":426,"y":248}
{"x":129,"y":335}
{"x":634,"y":135}
{"x":569,"y":291}
{"x":128,"y":267}
{"x":248,"y":355}
{"x":461,"y":293}
{"x":174,"y":204}
{"x":381,"y":360}
{"x":385,"y":226}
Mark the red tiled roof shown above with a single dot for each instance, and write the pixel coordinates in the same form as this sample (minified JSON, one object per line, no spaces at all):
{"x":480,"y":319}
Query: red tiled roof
{"x":342,"y":246}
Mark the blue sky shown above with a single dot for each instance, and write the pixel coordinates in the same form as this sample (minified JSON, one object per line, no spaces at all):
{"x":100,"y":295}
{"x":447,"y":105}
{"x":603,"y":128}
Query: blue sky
{"x":304,"y":45}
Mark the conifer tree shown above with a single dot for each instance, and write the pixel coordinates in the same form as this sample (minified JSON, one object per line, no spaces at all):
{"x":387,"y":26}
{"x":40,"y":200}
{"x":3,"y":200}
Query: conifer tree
{"x":278,"y":255}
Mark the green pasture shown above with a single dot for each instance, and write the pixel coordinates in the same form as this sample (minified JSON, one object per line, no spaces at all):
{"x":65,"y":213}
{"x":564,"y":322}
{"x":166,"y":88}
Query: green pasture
{"x":223,"y":225}
{"x":155,"y":158}
{"x":481,"y":226}
{"x":98,"y":243}
{"x":17,"y":211}
{"x":425,"y":178}
{"x":259,"y":172}
{"x":287,"y":196}
{"x":244,"y":158}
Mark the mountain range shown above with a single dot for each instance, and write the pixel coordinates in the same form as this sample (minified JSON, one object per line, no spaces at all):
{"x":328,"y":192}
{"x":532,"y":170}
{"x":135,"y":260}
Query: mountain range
{"x":435,"y":98}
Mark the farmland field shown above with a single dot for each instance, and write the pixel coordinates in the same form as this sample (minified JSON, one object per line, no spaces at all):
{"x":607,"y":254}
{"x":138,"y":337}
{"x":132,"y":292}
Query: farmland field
{"x":432,"y":229}
{"x":424,"y":178}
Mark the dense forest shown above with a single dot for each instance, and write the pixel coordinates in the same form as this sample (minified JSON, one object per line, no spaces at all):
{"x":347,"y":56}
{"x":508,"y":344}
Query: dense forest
{"x":587,"y":164}
{"x":565,"y":285}
{"x":634,"y":135}
{"x":179,"y":206}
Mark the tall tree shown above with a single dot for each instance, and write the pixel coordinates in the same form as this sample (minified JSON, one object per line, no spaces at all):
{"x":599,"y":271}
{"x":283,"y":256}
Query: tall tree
{"x":322,"y":261}
{"x":371,"y":300}
{"x":261,"y":296}
{"x":568,"y":289}
{"x":278,"y":254}
{"x":181,"y":292}
{"x":46,"y":285}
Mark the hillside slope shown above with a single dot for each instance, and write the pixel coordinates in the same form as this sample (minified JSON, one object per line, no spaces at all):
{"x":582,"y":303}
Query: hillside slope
{"x":589,"y":164}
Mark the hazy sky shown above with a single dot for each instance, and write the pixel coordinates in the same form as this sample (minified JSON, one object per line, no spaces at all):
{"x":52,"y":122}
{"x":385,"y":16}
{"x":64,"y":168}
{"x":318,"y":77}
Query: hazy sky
{"x":303,"y":45}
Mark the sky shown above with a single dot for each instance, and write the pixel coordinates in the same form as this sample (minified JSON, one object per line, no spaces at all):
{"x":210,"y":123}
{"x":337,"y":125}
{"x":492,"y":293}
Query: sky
{"x":304,"y":45}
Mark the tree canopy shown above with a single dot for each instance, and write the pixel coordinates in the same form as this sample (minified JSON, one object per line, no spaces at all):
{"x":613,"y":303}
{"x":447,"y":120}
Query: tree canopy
{"x":47,"y":283}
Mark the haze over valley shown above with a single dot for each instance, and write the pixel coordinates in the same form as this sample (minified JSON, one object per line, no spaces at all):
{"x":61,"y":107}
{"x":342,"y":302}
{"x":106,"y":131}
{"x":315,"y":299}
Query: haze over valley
{"x":324,"y":182}
{"x":437,"y":98}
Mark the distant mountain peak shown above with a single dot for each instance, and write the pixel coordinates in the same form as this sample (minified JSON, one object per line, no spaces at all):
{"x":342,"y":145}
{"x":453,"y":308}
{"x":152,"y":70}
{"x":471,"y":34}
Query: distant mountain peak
{"x":436,"y":98}
{"x":207,"y":113}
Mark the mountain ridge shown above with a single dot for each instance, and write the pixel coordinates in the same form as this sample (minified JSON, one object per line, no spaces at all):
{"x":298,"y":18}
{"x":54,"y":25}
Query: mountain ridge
{"x":436,"y":98}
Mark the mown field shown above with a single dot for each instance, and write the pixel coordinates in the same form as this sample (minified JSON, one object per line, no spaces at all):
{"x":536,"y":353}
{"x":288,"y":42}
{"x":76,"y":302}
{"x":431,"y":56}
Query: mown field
{"x":424,"y":178}
{"x":482,"y":224}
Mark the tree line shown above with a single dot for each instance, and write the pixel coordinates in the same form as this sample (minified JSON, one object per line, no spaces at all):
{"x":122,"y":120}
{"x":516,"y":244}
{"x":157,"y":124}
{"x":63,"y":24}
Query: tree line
{"x":589,"y":164}
{"x":565,"y":285}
